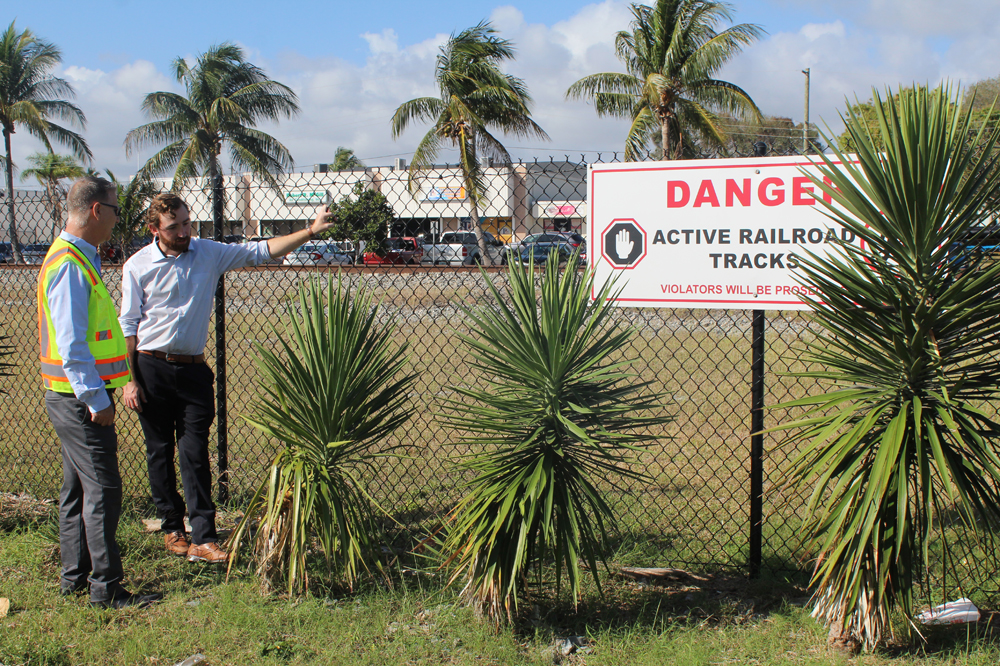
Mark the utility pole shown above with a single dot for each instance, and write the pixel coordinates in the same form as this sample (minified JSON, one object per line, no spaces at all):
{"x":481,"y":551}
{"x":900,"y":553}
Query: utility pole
{"x":805,"y":125}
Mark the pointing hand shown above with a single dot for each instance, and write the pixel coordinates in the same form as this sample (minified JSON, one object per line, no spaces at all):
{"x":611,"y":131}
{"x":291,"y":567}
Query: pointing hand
{"x":623,"y":245}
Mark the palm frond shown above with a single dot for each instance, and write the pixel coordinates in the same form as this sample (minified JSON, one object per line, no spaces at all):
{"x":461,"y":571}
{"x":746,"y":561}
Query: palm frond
{"x":670,"y":52}
{"x":225,"y":99}
{"x":423,"y":108}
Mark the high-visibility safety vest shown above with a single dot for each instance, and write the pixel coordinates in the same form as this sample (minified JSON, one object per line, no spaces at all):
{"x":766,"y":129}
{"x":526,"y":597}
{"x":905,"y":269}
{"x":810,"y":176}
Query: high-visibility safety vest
{"x":104,"y":334}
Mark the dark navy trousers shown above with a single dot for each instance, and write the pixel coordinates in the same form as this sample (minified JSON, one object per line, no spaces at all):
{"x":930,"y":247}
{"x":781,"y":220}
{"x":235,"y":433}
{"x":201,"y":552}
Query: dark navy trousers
{"x":176,"y":417}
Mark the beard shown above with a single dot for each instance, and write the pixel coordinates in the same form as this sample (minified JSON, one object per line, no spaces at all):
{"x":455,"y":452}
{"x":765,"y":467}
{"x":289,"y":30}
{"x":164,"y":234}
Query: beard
{"x":177,"y":245}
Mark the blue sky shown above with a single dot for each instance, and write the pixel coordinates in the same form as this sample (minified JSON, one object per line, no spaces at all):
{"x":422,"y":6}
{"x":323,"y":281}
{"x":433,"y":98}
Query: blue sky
{"x":352,"y":63}
{"x":313,"y":29}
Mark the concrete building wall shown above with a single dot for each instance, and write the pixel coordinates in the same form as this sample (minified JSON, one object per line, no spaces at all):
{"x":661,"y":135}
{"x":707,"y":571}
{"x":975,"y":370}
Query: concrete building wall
{"x":519,"y":200}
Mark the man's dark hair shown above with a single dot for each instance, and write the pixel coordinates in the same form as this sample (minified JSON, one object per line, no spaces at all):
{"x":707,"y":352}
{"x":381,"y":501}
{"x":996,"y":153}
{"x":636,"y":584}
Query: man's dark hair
{"x":165,"y":203}
{"x":85,"y":193}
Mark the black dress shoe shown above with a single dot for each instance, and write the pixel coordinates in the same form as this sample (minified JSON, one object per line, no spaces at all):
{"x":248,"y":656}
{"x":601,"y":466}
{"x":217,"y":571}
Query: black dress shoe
{"x":123,"y":599}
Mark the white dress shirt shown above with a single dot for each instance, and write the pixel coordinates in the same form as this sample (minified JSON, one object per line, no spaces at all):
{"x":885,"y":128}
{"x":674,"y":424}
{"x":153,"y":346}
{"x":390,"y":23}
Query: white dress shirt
{"x":69,"y":304}
{"x":167,"y":301}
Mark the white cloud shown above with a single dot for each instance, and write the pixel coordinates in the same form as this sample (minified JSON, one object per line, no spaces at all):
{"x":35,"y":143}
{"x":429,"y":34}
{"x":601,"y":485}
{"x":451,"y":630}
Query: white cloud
{"x":813,"y":31}
{"x":383,"y":42}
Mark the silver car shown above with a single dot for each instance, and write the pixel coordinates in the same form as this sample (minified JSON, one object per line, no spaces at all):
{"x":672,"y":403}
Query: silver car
{"x":318,"y":254}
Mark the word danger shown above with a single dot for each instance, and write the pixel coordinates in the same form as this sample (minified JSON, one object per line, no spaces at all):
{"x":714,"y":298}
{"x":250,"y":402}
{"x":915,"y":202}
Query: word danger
{"x":772,"y":191}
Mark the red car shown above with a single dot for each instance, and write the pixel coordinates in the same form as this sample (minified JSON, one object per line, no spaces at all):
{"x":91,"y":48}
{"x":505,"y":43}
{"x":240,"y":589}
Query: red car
{"x":403,"y":250}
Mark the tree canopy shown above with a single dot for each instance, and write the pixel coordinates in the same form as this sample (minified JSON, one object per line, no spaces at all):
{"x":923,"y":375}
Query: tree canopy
{"x":50,"y":170}
{"x":30,"y":97}
{"x":475,"y":98}
{"x":345,"y":159}
{"x":672,"y":53}
{"x":226,"y":98}
{"x":362,"y":217}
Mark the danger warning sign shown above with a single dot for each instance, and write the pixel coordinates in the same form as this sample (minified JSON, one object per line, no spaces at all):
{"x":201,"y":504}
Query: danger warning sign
{"x":708,"y":233}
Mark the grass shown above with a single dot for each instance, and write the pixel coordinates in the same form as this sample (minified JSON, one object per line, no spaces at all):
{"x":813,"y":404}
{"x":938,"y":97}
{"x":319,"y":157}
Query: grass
{"x":412,"y":619}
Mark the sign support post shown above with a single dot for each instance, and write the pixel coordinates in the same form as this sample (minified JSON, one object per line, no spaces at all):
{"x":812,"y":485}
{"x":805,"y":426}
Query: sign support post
{"x":757,"y":444}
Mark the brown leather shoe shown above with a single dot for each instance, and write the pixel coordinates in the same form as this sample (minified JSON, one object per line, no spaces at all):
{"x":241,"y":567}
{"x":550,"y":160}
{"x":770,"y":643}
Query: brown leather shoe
{"x":207,"y":552}
{"x":177,"y":543}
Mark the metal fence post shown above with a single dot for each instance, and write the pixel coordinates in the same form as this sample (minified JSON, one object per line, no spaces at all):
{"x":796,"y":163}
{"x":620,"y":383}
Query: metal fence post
{"x":218,"y":214}
{"x":757,"y":444}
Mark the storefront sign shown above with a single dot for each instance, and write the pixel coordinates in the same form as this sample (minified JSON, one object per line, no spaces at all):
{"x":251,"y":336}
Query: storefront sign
{"x":305,"y":197}
{"x":445,"y":194}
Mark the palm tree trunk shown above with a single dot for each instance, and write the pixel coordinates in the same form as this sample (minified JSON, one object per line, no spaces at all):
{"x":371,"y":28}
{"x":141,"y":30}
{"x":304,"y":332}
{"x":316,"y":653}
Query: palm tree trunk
{"x":213,"y":172}
{"x":672,"y":138}
{"x":473,"y":194}
{"x":55,"y":210}
{"x":665,"y":138}
{"x":484,"y":250}
{"x":15,"y":247}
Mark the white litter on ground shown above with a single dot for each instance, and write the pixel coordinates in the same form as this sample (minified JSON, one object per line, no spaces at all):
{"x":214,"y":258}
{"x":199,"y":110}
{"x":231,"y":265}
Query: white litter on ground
{"x":954,"y":612}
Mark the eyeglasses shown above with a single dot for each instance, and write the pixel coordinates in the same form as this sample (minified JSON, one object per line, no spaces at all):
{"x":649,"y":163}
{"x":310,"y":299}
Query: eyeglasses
{"x":109,"y":205}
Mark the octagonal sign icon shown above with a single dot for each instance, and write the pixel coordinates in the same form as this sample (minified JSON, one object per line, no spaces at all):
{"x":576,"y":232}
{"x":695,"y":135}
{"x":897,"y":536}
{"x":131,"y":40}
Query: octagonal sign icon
{"x":623,"y":244}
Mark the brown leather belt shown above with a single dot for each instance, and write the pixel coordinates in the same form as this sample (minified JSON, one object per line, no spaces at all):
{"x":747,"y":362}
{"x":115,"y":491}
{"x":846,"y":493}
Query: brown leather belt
{"x":174,"y":358}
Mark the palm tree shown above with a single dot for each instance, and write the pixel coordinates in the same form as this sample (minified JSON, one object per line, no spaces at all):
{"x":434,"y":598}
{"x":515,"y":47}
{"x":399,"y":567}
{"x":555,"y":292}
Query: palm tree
{"x":133,"y":201}
{"x":226,"y":98}
{"x":901,"y":439}
{"x":345,"y":159}
{"x":671,"y":56}
{"x":475,"y":97}
{"x":29,"y":97}
{"x":50,"y":170}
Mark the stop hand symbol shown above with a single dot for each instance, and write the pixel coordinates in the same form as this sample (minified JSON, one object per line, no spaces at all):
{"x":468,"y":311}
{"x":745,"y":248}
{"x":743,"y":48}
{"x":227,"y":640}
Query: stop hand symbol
{"x":623,"y":245}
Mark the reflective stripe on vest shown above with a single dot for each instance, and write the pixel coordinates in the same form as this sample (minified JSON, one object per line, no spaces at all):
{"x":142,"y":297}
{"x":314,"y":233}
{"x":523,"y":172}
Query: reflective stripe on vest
{"x":104,"y":335}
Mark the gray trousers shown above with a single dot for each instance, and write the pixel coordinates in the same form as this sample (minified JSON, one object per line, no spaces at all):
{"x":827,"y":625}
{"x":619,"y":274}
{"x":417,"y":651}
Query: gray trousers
{"x":90,"y":501}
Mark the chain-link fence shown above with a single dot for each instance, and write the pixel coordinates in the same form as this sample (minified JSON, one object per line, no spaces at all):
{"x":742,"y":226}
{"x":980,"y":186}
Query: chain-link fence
{"x":695,"y":510}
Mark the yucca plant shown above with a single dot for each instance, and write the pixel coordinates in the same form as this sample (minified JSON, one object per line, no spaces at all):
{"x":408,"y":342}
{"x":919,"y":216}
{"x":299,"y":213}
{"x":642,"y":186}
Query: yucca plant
{"x":557,"y":412}
{"x":910,"y":353}
{"x":332,"y":393}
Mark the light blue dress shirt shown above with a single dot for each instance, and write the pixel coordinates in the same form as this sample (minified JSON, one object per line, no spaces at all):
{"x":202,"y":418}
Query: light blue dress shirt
{"x":167,"y":301}
{"x":69,"y":304}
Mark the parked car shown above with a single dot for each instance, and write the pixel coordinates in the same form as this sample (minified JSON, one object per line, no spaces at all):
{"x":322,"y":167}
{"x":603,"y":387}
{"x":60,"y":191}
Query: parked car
{"x":34,"y":253}
{"x":399,"y":250}
{"x":318,"y":254}
{"x":6,"y":253}
{"x":573,"y":239}
{"x":542,"y":253}
{"x":459,"y":248}
{"x":973,"y":247}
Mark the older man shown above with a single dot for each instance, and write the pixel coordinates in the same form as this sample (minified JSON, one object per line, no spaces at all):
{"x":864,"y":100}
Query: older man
{"x":83,"y":357}
{"x":167,"y":292}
